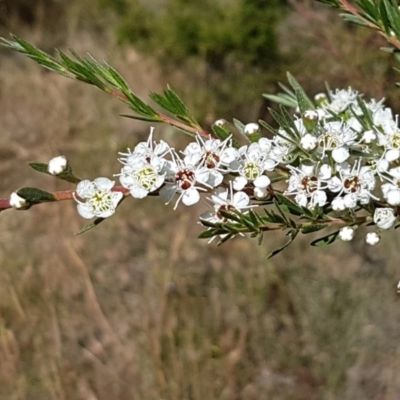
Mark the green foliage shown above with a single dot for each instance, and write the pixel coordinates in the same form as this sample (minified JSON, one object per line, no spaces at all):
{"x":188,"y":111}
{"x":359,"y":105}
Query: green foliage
{"x":227,"y":49}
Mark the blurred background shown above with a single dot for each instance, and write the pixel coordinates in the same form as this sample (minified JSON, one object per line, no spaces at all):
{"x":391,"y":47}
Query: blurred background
{"x":139,"y":308}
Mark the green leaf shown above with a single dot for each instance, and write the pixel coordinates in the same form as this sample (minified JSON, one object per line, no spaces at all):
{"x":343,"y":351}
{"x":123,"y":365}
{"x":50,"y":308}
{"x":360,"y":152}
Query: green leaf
{"x":283,"y":99}
{"x":353,"y":19}
{"x":291,"y":206}
{"x":239,"y":125}
{"x":292,"y":235}
{"x":303,"y":101}
{"x":310,"y":228}
{"x":88,"y":227}
{"x":268,"y":127}
{"x":146,"y":119}
{"x":224,"y":134}
{"x":35,"y":195}
{"x":325,"y":240}
{"x":40,"y":167}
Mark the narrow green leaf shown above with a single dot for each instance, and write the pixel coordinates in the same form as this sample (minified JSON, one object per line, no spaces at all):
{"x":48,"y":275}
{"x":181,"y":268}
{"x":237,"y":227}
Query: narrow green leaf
{"x":293,"y":235}
{"x":268,"y":127}
{"x":292,"y":207}
{"x":88,"y":227}
{"x":310,"y":228}
{"x":40,"y":167}
{"x":224,"y":134}
{"x":325,"y":240}
{"x":141,"y":118}
{"x":283,"y":99}
{"x":239,"y":125}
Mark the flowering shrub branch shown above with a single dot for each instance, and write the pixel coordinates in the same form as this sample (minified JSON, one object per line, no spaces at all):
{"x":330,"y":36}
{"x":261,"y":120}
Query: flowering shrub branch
{"x":332,"y":161}
{"x":382,"y":16}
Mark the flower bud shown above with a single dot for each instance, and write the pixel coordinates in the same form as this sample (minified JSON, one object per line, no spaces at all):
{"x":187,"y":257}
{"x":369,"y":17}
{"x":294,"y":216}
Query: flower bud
{"x":321,"y":99}
{"x":252,"y":131}
{"x":309,"y":142}
{"x":57,"y":165}
{"x":372,"y":238}
{"x":346,"y":233}
{"x":368,"y":137}
{"x":393,"y":197}
{"x":17,"y":201}
{"x":310,"y":119}
{"x":221,"y":123}
{"x":384,"y":218}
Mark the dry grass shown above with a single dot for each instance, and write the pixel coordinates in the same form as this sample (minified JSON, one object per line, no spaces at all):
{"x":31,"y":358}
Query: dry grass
{"x":138,"y":309}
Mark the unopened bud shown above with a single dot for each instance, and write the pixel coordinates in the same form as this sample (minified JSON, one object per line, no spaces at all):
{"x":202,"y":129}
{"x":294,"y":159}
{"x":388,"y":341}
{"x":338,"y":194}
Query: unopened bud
{"x":57,"y":165}
{"x":372,"y":238}
{"x":221,"y":123}
{"x":17,"y":202}
{"x":310,"y":119}
{"x":321,"y":99}
{"x":252,"y":131}
{"x":346,"y":233}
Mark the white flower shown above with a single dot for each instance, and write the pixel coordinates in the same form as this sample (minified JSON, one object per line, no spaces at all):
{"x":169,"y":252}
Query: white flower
{"x":146,"y":150}
{"x":342,"y":99}
{"x":389,"y":139}
{"x":336,"y":138}
{"x":57,"y":165}
{"x":182,"y":178}
{"x":142,"y":176}
{"x":384,"y":218}
{"x":381,"y":116}
{"x":306,"y":187}
{"x":356,"y":185}
{"x":372,"y":238}
{"x":224,"y":199}
{"x":100,"y":202}
{"x":346,"y":233}
{"x":391,"y":190}
{"x":17,"y":202}
{"x":214,"y":155}
{"x":253,"y":163}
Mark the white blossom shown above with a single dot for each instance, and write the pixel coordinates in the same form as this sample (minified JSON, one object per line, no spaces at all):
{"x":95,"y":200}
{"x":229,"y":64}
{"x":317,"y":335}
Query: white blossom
{"x":183,"y":177}
{"x":100,"y":201}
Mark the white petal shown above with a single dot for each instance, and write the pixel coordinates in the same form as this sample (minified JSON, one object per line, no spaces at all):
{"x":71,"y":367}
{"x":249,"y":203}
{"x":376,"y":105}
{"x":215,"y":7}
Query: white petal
{"x":85,"y":211}
{"x":190,"y":197}
{"x":239,"y":183}
{"x":168,"y":192}
{"x":341,"y":154}
{"x":85,"y":189}
{"x":392,"y":155}
{"x":240,"y":200}
{"x":138,"y":192}
{"x":116,"y":197}
{"x":262,"y":181}
{"x":104,"y":183}
{"x":393,"y":197}
{"x":215,"y":178}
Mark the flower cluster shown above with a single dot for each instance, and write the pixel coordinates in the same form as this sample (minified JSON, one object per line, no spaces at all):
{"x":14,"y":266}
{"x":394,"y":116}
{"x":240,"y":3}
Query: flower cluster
{"x":338,"y":156}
